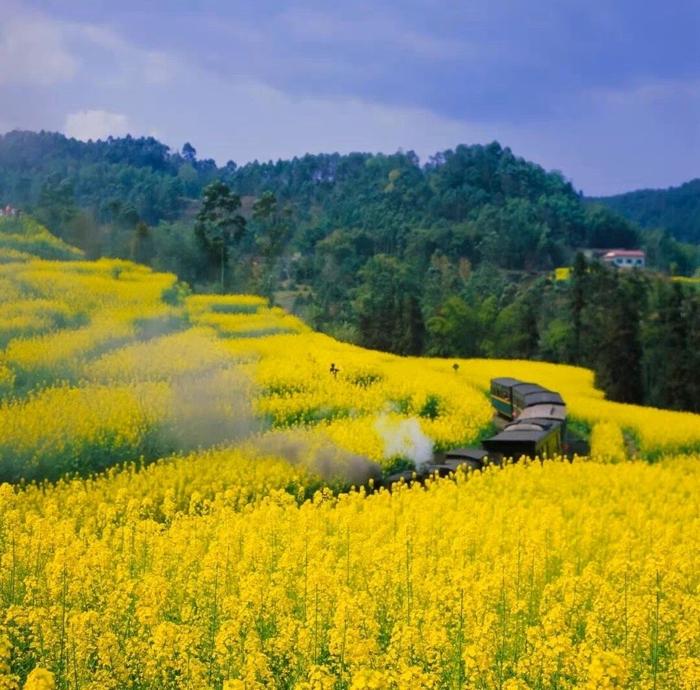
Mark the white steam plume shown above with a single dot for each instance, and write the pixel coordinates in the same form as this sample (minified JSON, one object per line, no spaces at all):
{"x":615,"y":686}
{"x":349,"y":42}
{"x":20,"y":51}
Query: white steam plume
{"x":404,"y":437}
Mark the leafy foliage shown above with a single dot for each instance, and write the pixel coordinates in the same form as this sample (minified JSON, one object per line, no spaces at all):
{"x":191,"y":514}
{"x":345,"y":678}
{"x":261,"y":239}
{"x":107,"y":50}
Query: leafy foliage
{"x":219,"y":225}
{"x":676,"y":209}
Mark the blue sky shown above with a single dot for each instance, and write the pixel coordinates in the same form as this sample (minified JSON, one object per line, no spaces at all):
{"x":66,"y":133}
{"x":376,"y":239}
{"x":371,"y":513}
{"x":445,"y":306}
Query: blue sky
{"x":606,"y":92}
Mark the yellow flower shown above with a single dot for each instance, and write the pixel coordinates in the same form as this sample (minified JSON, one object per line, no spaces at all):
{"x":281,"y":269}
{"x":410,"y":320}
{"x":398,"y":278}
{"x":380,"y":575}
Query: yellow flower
{"x":40,"y":679}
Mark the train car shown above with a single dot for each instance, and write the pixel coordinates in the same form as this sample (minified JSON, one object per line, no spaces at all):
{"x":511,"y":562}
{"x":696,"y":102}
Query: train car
{"x":405,"y":476}
{"x":549,"y":411}
{"x":502,"y":395}
{"x":555,"y":413}
{"x":529,"y":394}
{"x":473,"y":458}
{"x":534,"y":438}
{"x":537,"y":423}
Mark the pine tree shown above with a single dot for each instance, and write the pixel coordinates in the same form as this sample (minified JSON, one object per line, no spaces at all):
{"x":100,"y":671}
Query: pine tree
{"x":577,"y":303}
{"x":618,"y":360}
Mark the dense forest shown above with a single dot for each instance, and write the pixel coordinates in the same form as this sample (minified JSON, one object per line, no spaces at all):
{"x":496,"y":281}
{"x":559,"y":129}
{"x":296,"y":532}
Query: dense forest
{"x":676,"y":209}
{"x":450,"y":257}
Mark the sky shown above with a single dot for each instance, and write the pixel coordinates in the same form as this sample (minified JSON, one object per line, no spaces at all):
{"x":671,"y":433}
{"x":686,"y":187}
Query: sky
{"x":606,"y":91}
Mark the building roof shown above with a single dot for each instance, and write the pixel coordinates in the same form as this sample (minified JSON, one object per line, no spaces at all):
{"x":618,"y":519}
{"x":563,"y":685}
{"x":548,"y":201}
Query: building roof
{"x":632,"y":253}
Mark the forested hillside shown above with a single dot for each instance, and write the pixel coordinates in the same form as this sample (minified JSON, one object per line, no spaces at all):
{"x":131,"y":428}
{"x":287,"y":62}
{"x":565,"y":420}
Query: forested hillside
{"x":676,"y":209}
{"x":453,"y":257}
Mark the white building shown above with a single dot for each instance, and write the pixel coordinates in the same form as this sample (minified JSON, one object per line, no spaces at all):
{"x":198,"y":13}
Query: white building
{"x":8,"y":211}
{"x":625,"y":258}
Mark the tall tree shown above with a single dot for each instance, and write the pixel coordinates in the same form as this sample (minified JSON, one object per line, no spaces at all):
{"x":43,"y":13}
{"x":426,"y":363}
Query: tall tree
{"x":577,"y":303}
{"x":618,"y":359}
{"x":387,"y":307}
{"x":189,"y":153}
{"x":669,"y":374}
{"x":142,"y":249}
{"x":272,"y":227}
{"x":219,"y":226}
{"x":691,"y":313}
{"x":455,"y":330}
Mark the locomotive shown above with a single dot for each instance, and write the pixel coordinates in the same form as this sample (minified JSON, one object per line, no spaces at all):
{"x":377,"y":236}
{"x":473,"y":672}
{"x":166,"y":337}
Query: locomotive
{"x":531,"y":422}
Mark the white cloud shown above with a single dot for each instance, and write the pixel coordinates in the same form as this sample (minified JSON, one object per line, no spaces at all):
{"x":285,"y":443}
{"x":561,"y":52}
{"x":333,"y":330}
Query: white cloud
{"x":33,"y":51}
{"x":96,"y":124}
{"x":36,"y":49}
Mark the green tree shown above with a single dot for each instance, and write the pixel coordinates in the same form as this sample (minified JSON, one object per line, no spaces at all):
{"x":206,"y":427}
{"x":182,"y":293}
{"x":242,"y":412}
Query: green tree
{"x":691,"y":314}
{"x":607,"y":229}
{"x":272,"y":227}
{"x":387,"y":307}
{"x":669,"y":367}
{"x":219,"y":226}
{"x":618,"y":344}
{"x":189,"y":153}
{"x":56,"y":204}
{"x":455,"y":330}
{"x":142,"y":248}
{"x":577,"y":303}
{"x":516,"y":328}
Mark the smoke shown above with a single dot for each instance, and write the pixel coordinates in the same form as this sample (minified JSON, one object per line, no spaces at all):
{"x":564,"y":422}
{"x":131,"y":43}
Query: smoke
{"x":319,"y":456}
{"x":215,"y":407}
{"x":405,"y":438}
{"x":211,"y":407}
{"x":211,"y":402}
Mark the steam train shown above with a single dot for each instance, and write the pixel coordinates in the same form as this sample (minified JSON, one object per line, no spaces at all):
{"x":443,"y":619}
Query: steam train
{"x":531,"y":422}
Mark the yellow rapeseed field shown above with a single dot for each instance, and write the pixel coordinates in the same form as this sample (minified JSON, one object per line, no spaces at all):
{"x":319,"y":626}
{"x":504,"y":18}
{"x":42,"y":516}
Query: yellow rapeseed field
{"x":234,"y":563}
{"x":537,"y":576}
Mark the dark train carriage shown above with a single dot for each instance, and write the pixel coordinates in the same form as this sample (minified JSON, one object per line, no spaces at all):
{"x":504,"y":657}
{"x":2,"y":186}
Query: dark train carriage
{"x":474,"y":458}
{"x":535,"y":422}
{"x":466,"y":453}
{"x":502,"y":395}
{"x":528,"y":394}
{"x":529,"y":439}
{"x":538,"y":423}
{"x":442,"y":465}
{"x":405,"y":476}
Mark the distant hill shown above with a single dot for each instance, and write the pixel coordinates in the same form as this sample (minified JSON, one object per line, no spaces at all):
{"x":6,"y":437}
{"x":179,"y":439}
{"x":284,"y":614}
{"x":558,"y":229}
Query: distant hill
{"x":488,"y":203}
{"x":480,"y":203}
{"x":114,"y":179}
{"x":676,"y":209}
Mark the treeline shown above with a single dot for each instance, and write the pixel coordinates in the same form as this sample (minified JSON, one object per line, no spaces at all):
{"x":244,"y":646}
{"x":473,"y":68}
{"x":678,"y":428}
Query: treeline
{"x":447,"y":258}
{"x":677,"y":209}
{"x":639,"y":332}
{"x":95,"y":194}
